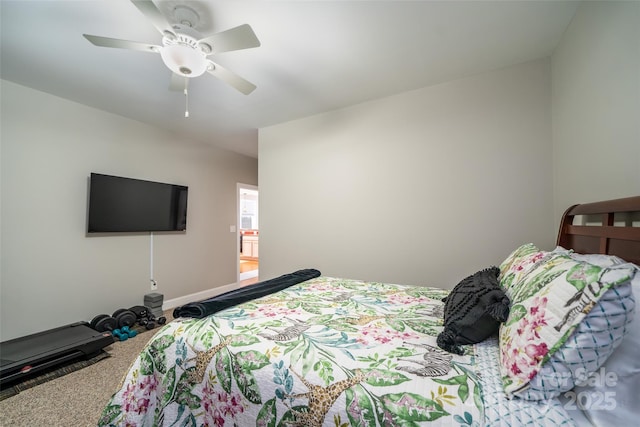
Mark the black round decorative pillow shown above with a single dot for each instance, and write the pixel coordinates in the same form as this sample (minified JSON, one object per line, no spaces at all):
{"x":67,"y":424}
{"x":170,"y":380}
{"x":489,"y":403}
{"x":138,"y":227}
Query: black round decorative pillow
{"x":473,"y":310}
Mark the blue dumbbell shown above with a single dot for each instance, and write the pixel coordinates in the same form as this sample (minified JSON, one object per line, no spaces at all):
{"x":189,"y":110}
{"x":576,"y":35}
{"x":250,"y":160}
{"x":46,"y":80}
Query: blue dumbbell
{"x":120,"y":334}
{"x":130,"y":332}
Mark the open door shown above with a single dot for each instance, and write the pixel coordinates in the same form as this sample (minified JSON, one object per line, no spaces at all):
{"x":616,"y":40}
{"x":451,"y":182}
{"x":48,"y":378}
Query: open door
{"x":248,"y":234}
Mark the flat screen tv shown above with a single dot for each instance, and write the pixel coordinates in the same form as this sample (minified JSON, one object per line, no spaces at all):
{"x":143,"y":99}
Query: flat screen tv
{"x":118,"y":204}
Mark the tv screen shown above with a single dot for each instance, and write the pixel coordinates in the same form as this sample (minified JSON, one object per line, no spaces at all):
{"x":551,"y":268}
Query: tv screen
{"x":118,"y":204}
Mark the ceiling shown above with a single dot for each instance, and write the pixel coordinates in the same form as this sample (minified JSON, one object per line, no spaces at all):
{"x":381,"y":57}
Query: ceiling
{"x":315,"y":56}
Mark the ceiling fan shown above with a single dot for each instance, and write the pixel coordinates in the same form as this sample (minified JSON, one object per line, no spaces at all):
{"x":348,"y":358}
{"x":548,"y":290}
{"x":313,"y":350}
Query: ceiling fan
{"x":184,"y":50}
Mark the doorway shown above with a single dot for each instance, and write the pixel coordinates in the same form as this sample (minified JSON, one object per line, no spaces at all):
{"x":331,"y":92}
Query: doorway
{"x":248,"y":234}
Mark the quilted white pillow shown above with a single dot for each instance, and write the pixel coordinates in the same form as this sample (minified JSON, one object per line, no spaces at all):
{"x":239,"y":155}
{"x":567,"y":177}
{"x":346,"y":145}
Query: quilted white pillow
{"x":610,"y":396}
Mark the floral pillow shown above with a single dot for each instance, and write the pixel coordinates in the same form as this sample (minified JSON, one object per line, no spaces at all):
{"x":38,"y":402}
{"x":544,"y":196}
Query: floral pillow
{"x":518,"y":264}
{"x":551,"y":294}
{"x":588,"y":348}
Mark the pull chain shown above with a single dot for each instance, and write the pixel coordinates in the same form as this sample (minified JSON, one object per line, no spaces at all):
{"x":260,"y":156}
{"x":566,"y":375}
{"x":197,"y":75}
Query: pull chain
{"x":186,"y":102}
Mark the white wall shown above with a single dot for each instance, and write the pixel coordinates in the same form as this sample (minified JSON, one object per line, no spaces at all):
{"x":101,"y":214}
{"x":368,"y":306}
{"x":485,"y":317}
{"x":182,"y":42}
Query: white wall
{"x":52,"y":273}
{"x":596,"y":105}
{"x":423,"y":188}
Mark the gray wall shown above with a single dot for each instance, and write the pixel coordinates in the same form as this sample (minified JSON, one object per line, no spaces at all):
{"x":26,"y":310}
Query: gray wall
{"x":51,"y":272}
{"x":422,"y":188}
{"x":596,"y":105}
{"x":427,"y":186}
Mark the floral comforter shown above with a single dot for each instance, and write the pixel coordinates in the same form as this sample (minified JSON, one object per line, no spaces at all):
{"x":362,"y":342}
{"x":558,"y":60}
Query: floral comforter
{"x":325,"y":352}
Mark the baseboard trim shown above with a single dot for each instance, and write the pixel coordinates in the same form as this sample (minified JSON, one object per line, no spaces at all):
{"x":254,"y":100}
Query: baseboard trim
{"x":198,"y":296}
{"x":249,"y":274}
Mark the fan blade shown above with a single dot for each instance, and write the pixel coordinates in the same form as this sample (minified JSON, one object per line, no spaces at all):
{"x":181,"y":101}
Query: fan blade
{"x":230,"y":78}
{"x":122,"y":44}
{"x":241,"y":37}
{"x":178,"y":82}
{"x":152,"y":13}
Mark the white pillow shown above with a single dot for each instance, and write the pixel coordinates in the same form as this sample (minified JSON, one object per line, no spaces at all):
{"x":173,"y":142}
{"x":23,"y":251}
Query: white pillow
{"x":610,"y":397}
{"x":600,"y":260}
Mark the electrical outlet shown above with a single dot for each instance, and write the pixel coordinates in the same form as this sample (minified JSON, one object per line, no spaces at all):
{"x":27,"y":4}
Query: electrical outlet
{"x":154,"y":285}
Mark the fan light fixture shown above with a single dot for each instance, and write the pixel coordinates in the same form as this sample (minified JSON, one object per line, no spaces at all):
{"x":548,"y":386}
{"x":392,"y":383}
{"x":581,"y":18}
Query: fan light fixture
{"x":184,"y":50}
{"x":184,"y":60}
{"x":181,"y":52}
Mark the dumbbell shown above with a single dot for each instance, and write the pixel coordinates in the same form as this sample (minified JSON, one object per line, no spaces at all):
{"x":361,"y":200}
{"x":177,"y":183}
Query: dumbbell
{"x":119,"y":335}
{"x":151,"y":322}
{"x":159,"y":320}
{"x":124,"y":333}
{"x":140,"y":311}
{"x":124,"y":317}
{"x":103,"y":323}
{"x":142,"y":316}
{"x":120,"y":318}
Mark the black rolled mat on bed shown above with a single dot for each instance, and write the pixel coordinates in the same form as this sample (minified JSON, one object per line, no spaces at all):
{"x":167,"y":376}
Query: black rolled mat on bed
{"x":218,"y":303}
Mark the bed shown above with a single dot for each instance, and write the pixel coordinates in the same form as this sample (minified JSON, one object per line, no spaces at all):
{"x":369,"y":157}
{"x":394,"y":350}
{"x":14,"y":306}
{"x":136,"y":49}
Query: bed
{"x":340,"y":352}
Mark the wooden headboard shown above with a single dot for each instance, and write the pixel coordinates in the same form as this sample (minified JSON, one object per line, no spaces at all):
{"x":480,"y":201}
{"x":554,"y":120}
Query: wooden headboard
{"x":613,"y":235}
